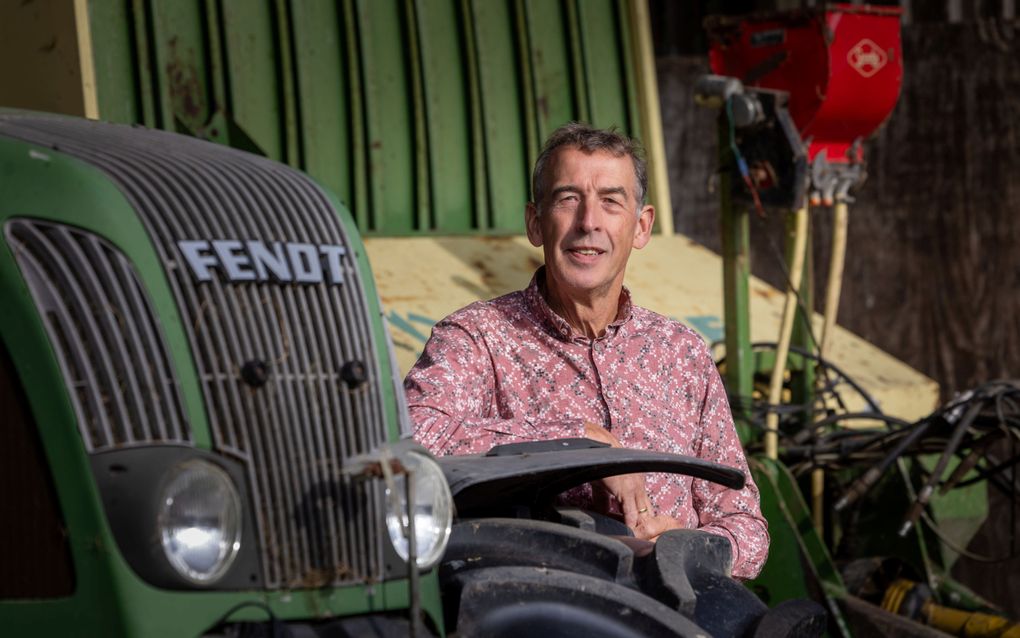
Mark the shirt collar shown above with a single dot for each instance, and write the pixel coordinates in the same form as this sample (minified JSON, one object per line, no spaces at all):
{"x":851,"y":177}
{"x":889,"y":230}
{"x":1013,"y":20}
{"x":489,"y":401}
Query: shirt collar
{"x":539,"y":308}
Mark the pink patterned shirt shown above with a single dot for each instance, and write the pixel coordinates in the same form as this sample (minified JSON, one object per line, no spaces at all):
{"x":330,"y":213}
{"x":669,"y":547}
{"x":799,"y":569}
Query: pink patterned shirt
{"x":510,"y":370}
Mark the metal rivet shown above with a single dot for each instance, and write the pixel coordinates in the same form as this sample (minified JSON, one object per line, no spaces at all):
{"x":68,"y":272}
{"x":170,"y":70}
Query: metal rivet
{"x":255,"y":373}
{"x":354,"y":373}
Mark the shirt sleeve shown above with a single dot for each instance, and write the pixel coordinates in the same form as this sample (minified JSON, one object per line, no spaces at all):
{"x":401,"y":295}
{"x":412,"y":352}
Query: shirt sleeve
{"x":733,"y":514}
{"x":451,"y":396}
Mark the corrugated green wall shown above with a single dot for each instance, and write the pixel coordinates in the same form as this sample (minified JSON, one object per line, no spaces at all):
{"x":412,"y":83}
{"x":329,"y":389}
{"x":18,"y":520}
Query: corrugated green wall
{"x":423,"y":115}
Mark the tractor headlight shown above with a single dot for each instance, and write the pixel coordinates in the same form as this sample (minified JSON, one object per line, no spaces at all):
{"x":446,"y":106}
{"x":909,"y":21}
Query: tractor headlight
{"x":432,"y":509}
{"x":199,"y":521}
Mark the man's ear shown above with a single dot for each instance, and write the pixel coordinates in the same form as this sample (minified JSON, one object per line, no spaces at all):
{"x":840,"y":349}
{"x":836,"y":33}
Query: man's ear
{"x":643,"y":228}
{"x":533,"y":224}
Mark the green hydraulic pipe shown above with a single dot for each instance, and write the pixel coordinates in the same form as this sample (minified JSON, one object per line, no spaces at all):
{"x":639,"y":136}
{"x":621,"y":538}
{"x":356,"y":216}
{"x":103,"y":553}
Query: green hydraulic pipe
{"x":734,"y":226}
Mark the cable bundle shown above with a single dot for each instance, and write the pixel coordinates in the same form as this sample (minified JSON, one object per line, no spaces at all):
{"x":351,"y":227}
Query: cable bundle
{"x":976,"y":428}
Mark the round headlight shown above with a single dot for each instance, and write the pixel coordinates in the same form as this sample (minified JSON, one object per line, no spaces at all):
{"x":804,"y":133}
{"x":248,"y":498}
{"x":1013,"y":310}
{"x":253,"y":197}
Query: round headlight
{"x":200,"y":521}
{"x":432,"y":510}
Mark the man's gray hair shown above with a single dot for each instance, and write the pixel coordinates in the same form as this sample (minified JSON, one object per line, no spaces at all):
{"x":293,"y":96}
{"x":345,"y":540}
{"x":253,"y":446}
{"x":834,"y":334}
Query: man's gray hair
{"x":589,"y":140}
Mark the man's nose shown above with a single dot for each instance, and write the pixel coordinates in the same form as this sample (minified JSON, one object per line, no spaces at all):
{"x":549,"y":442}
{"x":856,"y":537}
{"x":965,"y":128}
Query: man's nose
{"x":588,"y":215}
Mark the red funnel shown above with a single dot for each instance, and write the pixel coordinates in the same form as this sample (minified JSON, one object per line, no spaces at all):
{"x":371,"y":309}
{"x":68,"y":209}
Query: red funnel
{"x":841,"y":66}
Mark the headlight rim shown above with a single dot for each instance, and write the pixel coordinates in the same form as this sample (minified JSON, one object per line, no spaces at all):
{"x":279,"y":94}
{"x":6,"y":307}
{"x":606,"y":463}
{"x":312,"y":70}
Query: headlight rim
{"x":128,"y":484}
{"x":421,"y":457}
{"x":224,"y":564}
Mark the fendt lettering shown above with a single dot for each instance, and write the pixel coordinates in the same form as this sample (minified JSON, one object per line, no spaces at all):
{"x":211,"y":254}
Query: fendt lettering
{"x":284,"y":262}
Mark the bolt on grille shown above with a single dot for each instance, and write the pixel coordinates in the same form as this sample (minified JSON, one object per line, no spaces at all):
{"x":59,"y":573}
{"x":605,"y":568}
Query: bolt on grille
{"x":293,"y":433}
{"x":110,"y":348}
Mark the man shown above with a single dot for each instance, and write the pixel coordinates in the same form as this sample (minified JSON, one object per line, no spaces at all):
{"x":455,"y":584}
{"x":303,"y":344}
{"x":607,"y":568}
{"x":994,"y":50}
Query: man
{"x":570,"y":356}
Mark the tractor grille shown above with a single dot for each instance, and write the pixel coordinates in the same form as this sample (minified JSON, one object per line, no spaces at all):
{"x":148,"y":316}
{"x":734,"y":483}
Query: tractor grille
{"x":294,"y":432}
{"x":105,"y":335}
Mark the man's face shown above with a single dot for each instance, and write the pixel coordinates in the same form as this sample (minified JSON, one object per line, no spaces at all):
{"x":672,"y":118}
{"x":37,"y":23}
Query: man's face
{"x":588,"y":222}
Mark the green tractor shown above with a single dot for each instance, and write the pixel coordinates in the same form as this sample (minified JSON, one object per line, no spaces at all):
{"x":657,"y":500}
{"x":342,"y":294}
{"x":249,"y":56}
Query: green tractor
{"x":182,"y":450}
{"x":204,"y":434}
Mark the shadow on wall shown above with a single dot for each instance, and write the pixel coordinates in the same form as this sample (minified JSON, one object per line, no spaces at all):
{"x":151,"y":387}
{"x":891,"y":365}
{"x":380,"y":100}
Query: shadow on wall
{"x":503,"y":266}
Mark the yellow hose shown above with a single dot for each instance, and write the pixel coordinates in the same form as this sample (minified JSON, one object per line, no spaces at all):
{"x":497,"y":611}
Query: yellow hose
{"x":969,"y":624}
{"x":957,"y":622}
{"x":835,"y":281}
{"x":818,"y":499}
{"x":86,"y":60}
{"x":786,"y":331}
{"x":833,"y":289}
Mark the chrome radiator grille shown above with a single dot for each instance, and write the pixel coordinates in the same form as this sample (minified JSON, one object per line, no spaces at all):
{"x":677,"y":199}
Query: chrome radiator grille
{"x":295,"y":432}
{"x":105,"y":336}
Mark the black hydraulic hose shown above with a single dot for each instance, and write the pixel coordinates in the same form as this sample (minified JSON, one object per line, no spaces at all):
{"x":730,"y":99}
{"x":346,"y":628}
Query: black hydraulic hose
{"x":992,"y":472}
{"x":861,"y":486}
{"x":968,"y":462}
{"x":810,"y":429}
{"x":929,"y":486}
{"x":825,"y":363}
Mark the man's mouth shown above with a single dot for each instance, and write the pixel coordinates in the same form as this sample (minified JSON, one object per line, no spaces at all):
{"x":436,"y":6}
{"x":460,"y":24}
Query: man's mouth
{"x":589,"y":252}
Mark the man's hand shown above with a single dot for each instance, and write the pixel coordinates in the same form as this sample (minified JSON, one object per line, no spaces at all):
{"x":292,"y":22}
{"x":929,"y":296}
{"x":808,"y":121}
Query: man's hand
{"x":650,"y":527}
{"x":628,"y":489}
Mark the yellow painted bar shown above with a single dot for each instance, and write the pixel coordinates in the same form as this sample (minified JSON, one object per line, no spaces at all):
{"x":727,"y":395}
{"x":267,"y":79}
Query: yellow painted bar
{"x":422,"y":279}
{"x":648,"y":98}
{"x":86,"y":63}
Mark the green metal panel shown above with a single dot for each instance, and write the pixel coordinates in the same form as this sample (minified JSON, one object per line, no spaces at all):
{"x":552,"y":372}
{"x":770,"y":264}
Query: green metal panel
{"x":603,"y":65}
{"x":799,"y":565}
{"x":254,"y":79}
{"x":289,"y":97}
{"x":424,"y":116}
{"x":479,"y":183}
{"x":446,"y":111}
{"x":551,"y":65}
{"x":736,"y":248}
{"x":146,"y":68}
{"x":503,"y":127}
{"x":181,"y":76}
{"x":531,"y":138}
{"x":578,"y":62}
{"x":115,"y":67}
{"x":630,"y":64}
{"x":388,"y":115}
{"x":322,"y":86}
{"x":356,"y":103}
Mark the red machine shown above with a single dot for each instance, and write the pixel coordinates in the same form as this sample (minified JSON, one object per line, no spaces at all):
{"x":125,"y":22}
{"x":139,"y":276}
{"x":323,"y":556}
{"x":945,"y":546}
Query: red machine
{"x":840,"y":64}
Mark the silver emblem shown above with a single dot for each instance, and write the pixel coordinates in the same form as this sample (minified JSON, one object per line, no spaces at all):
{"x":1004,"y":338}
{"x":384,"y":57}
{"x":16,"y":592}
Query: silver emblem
{"x":261,"y":261}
